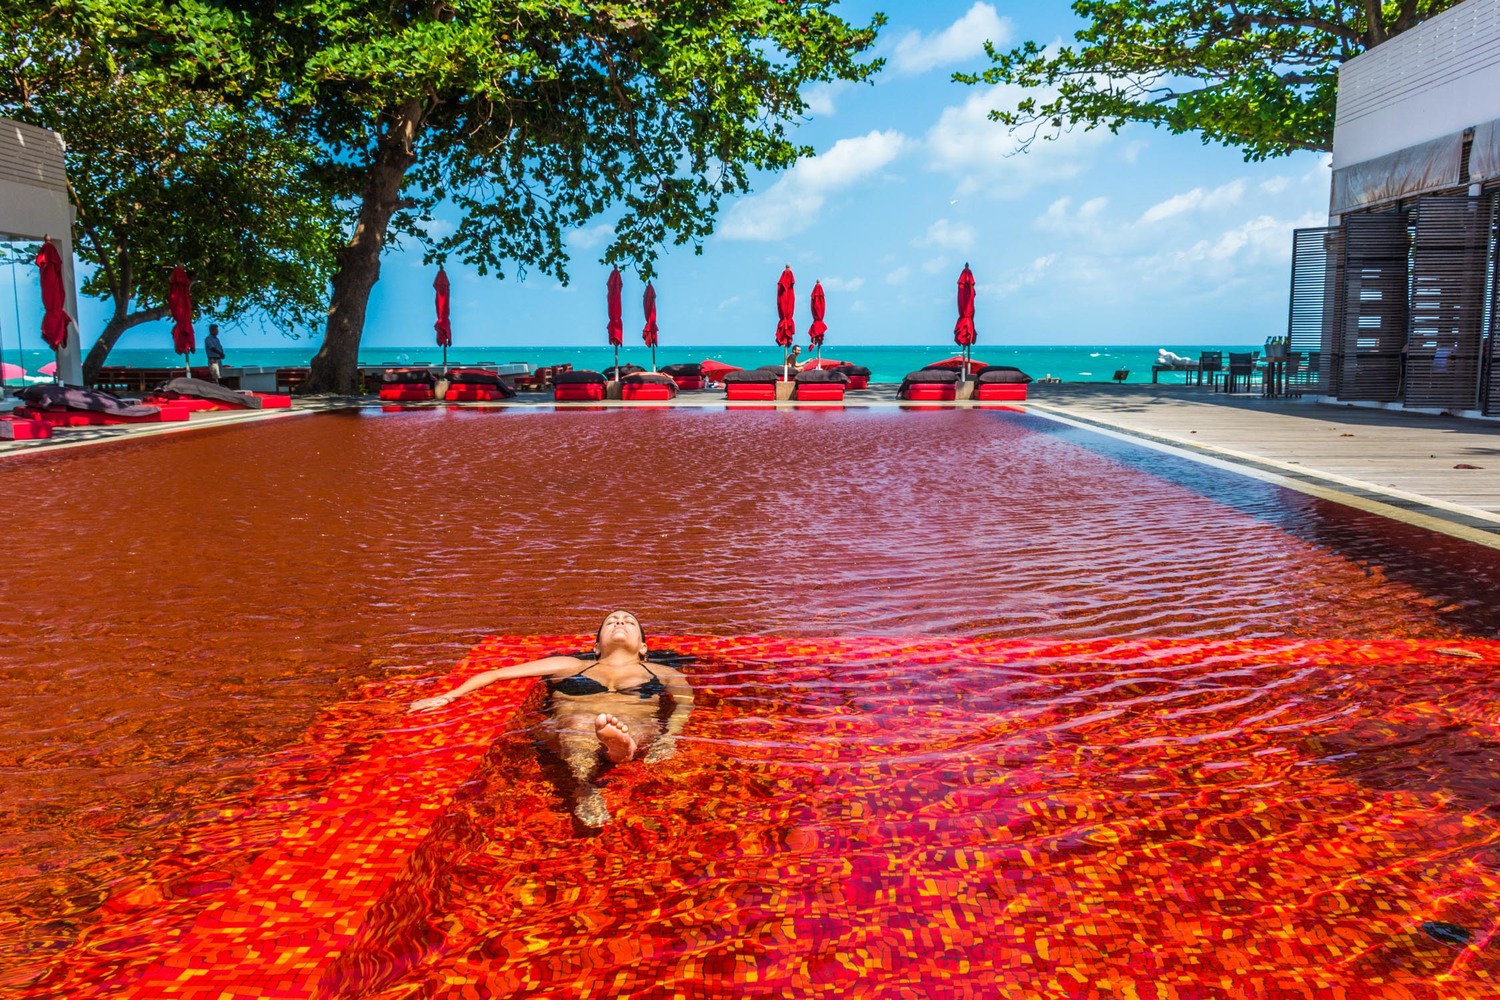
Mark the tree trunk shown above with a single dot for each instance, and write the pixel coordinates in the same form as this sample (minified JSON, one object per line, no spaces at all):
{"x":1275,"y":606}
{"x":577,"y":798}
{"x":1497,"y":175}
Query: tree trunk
{"x":335,"y":368}
{"x":117,"y":325}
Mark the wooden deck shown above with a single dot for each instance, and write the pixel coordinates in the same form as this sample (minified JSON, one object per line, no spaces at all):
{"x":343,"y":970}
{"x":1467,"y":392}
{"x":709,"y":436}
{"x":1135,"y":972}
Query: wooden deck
{"x":1444,"y":468}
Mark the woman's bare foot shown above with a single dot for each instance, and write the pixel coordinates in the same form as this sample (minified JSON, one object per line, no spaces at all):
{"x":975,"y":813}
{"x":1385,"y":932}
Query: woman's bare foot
{"x":619,"y":745}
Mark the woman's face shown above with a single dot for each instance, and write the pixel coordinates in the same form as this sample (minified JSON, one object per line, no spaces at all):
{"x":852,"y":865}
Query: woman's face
{"x":620,"y":629}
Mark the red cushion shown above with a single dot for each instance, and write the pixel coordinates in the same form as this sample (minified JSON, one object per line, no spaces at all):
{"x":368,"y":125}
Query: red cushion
{"x":89,"y":418}
{"x":1000,"y":390}
{"x":189,"y":403}
{"x":930,"y":390}
{"x":586,"y":392}
{"x":22,"y":429}
{"x":688,"y":381}
{"x":273,"y":401}
{"x":859,"y":381}
{"x":820,"y":390}
{"x":405,"y":391}
{"x":647,"y":390}
{"x":750,"y":390}
{"x":461,"y":392}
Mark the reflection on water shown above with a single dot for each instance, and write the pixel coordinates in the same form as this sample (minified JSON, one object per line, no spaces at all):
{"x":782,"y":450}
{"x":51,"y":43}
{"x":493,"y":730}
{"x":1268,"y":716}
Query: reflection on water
{"x":204,"y":595}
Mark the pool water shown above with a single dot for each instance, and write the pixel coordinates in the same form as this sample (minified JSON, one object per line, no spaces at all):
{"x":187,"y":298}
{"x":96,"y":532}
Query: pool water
{"x":986,"y":707}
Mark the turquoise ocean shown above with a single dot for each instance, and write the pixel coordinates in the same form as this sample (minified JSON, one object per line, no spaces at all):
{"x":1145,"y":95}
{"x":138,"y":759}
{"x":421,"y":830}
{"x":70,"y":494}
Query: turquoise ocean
{"x":886,"y":363}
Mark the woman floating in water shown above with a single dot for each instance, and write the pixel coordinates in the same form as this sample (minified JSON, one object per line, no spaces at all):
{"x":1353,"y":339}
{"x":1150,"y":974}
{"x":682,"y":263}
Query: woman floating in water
{"x":609,"y":706}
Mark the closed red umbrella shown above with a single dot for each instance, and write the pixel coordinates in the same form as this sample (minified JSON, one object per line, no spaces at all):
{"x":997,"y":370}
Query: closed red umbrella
{"x":180,"y":302}
{"x":714,"y":371}
{"x":819,"y":363}
{"x":649,"y":333}
{"x":964,"y":334}
{"x":786,"y":307}
{"x":55,"y":318}
{"x":819,"y":328}
{"x":616,"y":324}
{"x":443,"y":327}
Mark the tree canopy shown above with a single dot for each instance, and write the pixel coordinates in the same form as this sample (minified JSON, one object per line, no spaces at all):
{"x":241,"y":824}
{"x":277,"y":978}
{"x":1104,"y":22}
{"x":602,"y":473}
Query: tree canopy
{"x":159,"y":174}
{"x":1258,"y":74}
{"x":531,"y":117}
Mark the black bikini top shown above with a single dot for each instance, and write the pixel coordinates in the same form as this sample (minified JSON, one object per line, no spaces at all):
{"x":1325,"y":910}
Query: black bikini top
{"x":577,"y":684}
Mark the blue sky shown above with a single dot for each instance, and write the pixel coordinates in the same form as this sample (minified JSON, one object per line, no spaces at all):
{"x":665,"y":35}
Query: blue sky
{"x":1136,"y":238}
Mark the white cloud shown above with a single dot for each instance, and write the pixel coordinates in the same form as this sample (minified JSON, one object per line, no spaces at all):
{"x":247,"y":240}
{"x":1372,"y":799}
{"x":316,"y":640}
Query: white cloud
{"x":987,"y":156}
{"x":843,"y":284}
{"x":963,"y":39}
{"x":822,"y":98}
{"x":591,"y":237}
{"x":1260,"y":240}
{"x":1275,"y":185}
{"x":898,"y":276}
{"x":729,"y":303}
{"x":1060,"y":217}
{"x":1033,"y":273}
{"x":947,"y":235}
{"x":437,"y":229}
{"x":934,"y":265}
{"x":791,"y":204}
{"x":1196,"y":200}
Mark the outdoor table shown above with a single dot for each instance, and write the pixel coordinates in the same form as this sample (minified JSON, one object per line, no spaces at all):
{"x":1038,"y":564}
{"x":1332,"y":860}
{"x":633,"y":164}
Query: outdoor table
{"x":1273,"y":381}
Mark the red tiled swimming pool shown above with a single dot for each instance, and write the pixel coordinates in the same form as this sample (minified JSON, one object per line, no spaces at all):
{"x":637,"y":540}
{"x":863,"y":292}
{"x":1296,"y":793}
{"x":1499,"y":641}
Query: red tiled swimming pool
{"x":985,"y":708}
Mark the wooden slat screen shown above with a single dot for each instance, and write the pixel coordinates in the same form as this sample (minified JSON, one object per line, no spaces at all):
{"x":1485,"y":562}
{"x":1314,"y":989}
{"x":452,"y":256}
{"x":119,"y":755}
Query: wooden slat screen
{"x":1449,"y":258}
{"x":1314,"y":323}
{"x":1374,"y":313}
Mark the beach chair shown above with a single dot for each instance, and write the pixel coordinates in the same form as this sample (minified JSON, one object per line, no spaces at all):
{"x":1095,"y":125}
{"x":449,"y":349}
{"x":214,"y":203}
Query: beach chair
{"x":859,"y":375}
{"x":475,"y":385}
{"x":648,"y":386}
{"x":407,"y":385}
{"x":14,"y":428}
{"x":754,"y":385}
{"x":687,"y":376}
{"x":826,"y":385}
{"x":1000,"y":383}
{"x":582,"y":386}
{"x":75,"y":406}
{"x":1241,"y":366}
{"x":1210,"y":363}
{"x":199,"y":395}
{"x":929,"y":384}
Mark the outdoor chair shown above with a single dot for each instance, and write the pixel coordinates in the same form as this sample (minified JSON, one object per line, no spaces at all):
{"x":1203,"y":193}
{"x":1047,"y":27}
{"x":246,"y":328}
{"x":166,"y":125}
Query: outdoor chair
{"x":1000,"y":383}
{"x":582,"y":386}
{"x":827,"y":384}
{"x":407,"y":385}
{"x":930,"y":383}
{"x":758,"y":386}
{"x":688,"y":375}
{"x":1241,"y":366}
{"x":648,"y":386}
{"x":1211,"y":364}
{"x":475,"y":385}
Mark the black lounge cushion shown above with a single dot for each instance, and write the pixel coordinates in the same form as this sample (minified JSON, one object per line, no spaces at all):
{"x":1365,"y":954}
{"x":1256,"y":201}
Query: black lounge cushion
{"x":854,"y":370}
{"x":76,"y":397}
{"x":1002,"y":375}
{"x":648,"y":378}
{"x":824,"y":376}
{"x":685,"y":370}
{"x":757,"y":377}
{"x":931,"y":376}
{"x":408,"y":376}
{"x":197,"y":388}
{"x":581,"y":377}
{"x":472,"y":376}
{"x":613,"y":373}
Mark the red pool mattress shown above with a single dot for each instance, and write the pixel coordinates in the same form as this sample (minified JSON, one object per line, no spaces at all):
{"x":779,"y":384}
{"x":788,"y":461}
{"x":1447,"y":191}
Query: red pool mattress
{"x":819,"y":391}
{"x":406,"y":392}
{"x":646,"y":391}
{"x":463,"y":392}
{"x":745,"y":391}
{"x":927,"y":391}
{"x":23,"y":429}
{"x":859,"y":381}
{"x":1000,"y":391}
{"x":688,"y":381}
{"x":578,"y":392}
{"x":91,"y":418}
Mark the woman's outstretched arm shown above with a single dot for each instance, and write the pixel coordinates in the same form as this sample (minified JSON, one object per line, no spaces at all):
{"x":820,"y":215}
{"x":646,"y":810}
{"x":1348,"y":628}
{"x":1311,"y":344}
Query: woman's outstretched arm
{"x":545,"y":667}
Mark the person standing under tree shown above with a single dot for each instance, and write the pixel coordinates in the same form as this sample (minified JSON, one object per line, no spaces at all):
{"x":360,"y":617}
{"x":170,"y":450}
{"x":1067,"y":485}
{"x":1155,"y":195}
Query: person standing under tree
{"x":215,"y":352}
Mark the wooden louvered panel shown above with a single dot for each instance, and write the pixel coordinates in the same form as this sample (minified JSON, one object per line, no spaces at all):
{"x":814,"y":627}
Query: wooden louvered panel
{"x":1374,"y":309}
{"x":1449,"y":259}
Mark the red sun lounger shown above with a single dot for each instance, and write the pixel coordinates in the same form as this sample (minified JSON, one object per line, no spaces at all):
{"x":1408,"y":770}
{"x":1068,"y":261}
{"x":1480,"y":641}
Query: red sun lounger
{"x":22,"y":429}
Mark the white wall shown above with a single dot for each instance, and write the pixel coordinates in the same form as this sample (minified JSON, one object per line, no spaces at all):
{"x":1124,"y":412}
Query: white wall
{"x":33,"y":204}
{"x":1441,"y":77}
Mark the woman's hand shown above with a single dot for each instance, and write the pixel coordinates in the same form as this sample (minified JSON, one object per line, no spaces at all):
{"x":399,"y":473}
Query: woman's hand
{"x":428,"y":704}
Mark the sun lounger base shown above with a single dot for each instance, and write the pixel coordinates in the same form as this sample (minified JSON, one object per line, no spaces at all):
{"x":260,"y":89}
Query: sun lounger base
{"x":23,"y":429}
{"x":90,"y":418}
{"x":931,"y":391}
{"x":811,"y":391}
{"x":1000,"y":391}
{"x":460,"y":392}
{"x":578,"y":392}
{"x":649,"y":390}
{"x":405,"y":392}
{"x":746,"y":391}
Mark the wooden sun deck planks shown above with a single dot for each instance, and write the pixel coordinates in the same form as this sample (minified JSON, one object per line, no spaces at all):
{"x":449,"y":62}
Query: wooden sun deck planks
{"x":1412,"y":453}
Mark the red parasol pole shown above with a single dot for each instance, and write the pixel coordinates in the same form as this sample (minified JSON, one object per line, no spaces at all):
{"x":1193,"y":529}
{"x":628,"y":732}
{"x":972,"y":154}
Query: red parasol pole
{"x":443,"y":327}
{"x":786,"y":307}
{"x":649,"y":333}
{"x":616,"y":324}
{"x":55,"y":318}
{"x":180,"y":303}
{"x":963,"y":331}
{"x":819,"y":328}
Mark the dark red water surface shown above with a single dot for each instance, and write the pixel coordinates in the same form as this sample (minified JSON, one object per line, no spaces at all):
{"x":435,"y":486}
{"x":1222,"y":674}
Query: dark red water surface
{"x":177,"y":610}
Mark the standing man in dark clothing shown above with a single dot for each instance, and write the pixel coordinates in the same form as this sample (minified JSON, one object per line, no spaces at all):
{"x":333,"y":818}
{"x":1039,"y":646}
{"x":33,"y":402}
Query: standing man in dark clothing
{"x":215,"y":352}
